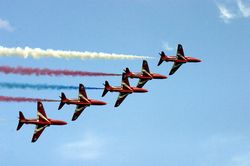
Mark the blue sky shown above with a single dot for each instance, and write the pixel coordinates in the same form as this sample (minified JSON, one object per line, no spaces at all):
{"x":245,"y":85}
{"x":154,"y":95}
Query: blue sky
{"x":197,"y":117}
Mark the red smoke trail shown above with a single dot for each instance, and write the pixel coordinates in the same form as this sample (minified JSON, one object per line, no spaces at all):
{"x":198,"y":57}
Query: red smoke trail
{"x":23,"y":99}
{"x":50,"y":72}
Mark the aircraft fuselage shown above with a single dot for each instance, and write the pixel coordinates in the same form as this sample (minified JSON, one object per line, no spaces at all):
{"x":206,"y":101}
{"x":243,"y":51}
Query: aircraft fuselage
{"x":78,"y":102}
{"x":148,"y":77}
{"x":130,"y":90}
{"x":49,"y":122}
{"x":184,"y":60}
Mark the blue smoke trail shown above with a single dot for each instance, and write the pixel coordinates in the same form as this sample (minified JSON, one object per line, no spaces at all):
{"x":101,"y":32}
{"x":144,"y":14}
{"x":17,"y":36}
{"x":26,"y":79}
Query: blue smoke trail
{"x":40,"y":86}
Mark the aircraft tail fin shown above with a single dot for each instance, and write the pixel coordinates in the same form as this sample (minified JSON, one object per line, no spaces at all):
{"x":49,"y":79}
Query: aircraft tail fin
{"x":163,"y":55}
{"x":21,"y":120}
{"x":145,"y":68}
{"x":105,"y":91}
{"x":127,"y":71}
{"x":63,"y":97}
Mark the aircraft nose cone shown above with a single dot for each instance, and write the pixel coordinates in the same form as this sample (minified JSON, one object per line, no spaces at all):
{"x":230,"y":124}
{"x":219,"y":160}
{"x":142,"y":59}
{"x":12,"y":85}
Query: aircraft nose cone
{"x":98,"y":102}
{"x":164,"y":77}
{"x":103,"y":103}
{"x":144,"y":90}
{"x":198,"y":60}
{"x":63,"y":123}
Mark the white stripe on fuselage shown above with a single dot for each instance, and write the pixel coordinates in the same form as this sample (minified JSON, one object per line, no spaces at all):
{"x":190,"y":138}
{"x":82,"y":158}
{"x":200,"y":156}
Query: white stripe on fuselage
{"x":142,"y":82}
{"x":83,"y":97}
{"x":146,"y":72}
{"x":122,"y":96}
{"x":42,"y":116}
{"x":123,"y":83}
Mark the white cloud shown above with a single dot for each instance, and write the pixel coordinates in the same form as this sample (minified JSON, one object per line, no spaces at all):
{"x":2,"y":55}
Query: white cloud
{"x":245,"y":10}
{"x":89,"y":148}
{"x":5,"y":25}
{"x":225,"y":14}
{"x":242,"y":160}
{"x":167,"y":47}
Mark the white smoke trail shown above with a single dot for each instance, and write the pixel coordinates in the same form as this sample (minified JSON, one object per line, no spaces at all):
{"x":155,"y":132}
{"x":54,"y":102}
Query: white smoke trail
{"x":40,"y":53}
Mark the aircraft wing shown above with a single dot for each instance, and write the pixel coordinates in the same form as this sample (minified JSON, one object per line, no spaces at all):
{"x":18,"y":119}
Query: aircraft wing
{"x":125,"y":83}
{"x":180,"y":53}
{"x":120,"y":99}
{"x":145,"y":68}
{"x":41,"y":113}
{"x":141,"y":83}
{"x":78,"y":111}
{"x":38,"y":131}
{"x":175,"y":68}
{"x":82,"y":96}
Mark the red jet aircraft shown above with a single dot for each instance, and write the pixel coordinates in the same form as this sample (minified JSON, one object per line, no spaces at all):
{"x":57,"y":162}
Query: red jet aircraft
{"x":41,"y":122}
{"x":144,"y":75}
{"x":125,"y":89}
{"x":178,"y":60}
{"x":81,"y":103}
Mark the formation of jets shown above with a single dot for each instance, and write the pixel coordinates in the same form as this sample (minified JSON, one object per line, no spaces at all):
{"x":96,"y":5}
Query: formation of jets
{"x":41,"y":122}
{"x":144,"y":76}
{"x":124,"y":90}
{"x":178,"y":60}
{"x":81,"y":103}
